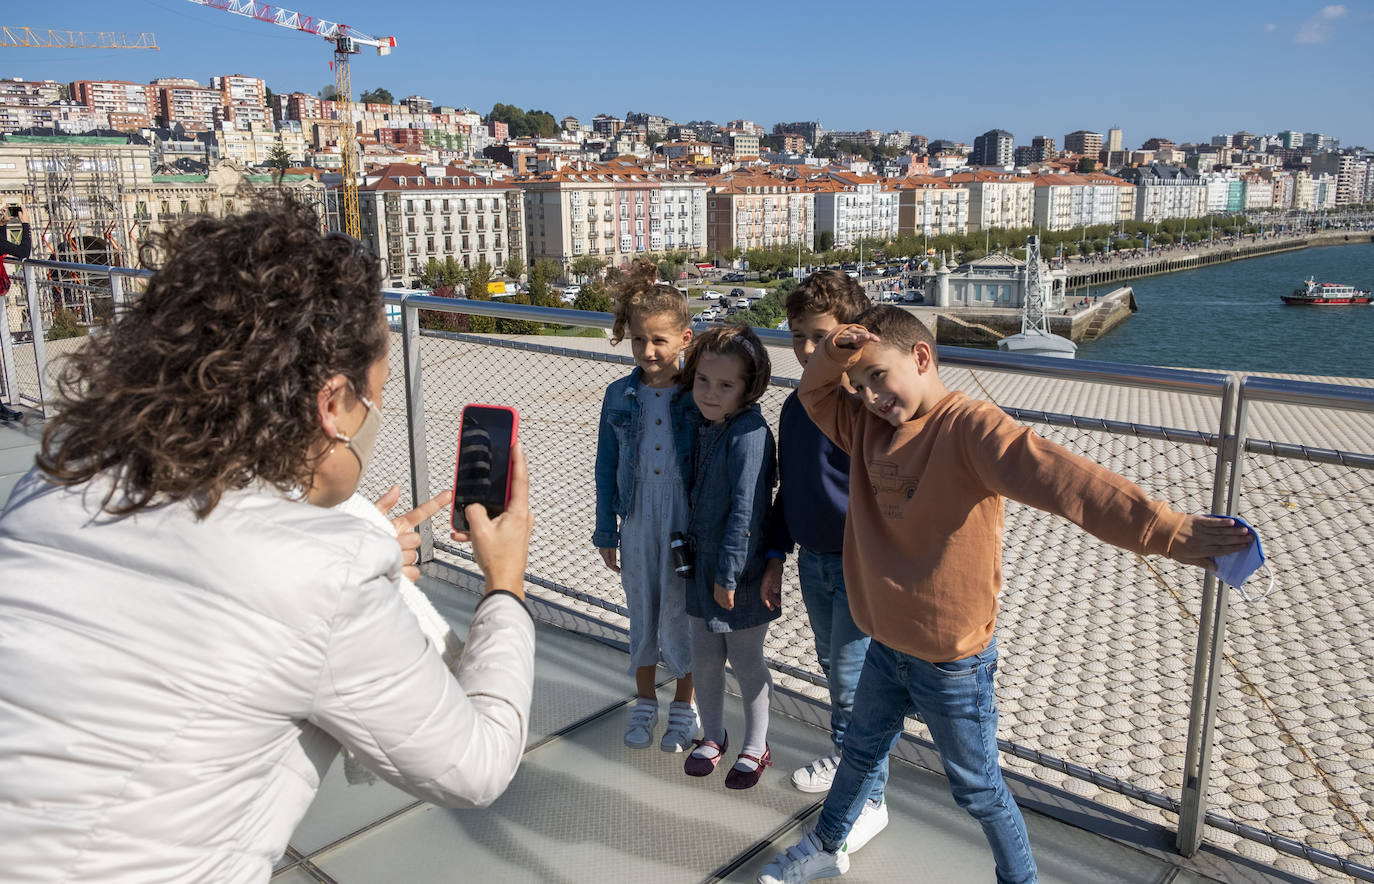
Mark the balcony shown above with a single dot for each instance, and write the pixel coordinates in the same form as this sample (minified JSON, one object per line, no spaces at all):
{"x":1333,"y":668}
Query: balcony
{"x":1097,"y":669}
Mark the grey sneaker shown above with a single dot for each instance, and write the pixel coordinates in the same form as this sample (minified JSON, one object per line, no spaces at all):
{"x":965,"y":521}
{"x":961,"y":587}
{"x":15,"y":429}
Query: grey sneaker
{"x":639,"y":729}
{"x":806,"y":860}
{"x":872,"y":820}
{"x":683,"y":726}
{"x":818,"y":775}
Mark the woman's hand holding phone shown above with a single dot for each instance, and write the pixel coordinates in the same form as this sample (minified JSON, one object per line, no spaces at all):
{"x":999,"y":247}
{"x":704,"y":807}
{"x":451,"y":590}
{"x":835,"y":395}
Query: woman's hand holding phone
{"x":501,"y":545}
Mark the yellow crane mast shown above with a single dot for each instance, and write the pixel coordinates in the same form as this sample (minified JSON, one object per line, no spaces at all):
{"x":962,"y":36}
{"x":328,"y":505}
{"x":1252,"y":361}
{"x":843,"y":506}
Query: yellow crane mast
{"x":347,"y":42}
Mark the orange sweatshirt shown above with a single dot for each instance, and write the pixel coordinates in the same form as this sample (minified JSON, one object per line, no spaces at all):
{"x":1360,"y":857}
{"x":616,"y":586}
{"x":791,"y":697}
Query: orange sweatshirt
{"x":923,"y":541}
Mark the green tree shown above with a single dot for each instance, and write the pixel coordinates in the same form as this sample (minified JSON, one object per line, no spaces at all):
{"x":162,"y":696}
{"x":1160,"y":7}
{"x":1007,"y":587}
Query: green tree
{"x":270,"y":99}
{"x":544,"y":272}
{"x":524,"y":124}
{"x":64,"y":325}
{"x":377,"y":96}
{"x":653,"y":139}
{"x":593,"y":297}
{"x":825,"y":240}
{"x":1087,"y":164}
{"x":587,"y":267}
{"x":514,"y":267}
{"x":329,"y":92}
{"x":278,"y":160}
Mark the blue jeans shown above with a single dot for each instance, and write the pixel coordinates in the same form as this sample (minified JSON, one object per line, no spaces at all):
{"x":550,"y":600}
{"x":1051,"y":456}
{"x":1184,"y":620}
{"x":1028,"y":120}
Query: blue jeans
{"x":956,"y":701}
{"x":840,"y":644}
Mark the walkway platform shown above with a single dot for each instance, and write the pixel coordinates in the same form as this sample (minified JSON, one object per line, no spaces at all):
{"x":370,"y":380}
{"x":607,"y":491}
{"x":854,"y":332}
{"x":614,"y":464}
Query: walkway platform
{"x":584,"y":808}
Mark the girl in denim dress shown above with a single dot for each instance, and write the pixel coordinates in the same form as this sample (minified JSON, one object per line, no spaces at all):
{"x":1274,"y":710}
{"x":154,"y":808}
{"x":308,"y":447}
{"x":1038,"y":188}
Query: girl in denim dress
{"x":734,"y":468}
{"x":642,"y":461}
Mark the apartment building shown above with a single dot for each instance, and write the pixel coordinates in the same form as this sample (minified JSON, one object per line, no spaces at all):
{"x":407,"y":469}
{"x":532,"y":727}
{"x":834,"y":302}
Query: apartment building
{"x":993,"y":148}
{"x":1166,"y":191}
{"x":1084,"y":143}
{"x":1349,"y":171}
{"x":931,"y":206}
{"x":1066,"y":202}
{"x":65,"y":116}
{"x":411,"y":213}
{"x":129,"y":105}
{"x":751,"y":210}
{"x":997,"y":199}
{"x":243,"y":100}
{"x":186,"y":103}
{"x":1225,"y":192}
{"x":254,"y":143}
{"x":745,"y":145}
{"x":612,"y":211}
{"x":853,"y":206}
{"x":1257,"y":192}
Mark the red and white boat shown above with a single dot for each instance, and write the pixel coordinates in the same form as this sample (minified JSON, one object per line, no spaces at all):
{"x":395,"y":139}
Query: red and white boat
{"x":1327,"y":293}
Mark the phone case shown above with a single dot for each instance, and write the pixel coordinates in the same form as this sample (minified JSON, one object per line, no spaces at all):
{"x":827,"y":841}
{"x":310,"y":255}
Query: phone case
{"x":459,"y":519}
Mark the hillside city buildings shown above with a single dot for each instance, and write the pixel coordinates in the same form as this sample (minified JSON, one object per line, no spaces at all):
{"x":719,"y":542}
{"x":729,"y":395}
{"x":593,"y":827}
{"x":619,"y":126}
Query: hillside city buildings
{"x":444,"y":182}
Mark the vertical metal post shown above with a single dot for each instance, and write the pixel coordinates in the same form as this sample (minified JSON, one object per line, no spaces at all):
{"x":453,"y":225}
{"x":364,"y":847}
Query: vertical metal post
{"x":415,"y":420}
{"x":7,"y":354}
{"x":117,"y":293}
{"x":1197,"y":758}
{"x":40,"y":351}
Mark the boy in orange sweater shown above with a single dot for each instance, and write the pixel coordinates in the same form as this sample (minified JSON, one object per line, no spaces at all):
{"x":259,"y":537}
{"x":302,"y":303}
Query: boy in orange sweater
{"x":923,"y":565}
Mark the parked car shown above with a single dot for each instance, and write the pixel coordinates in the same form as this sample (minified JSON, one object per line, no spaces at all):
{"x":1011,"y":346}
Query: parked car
{"x":737,"y":293}
{"x":742,"y":303}
{"x":710,"y":296}
{"x":852,"y":274}
{"x":912,"y":296}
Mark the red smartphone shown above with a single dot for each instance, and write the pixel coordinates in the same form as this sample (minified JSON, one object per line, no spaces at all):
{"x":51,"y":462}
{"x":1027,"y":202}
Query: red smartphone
{"x":482,"y":474}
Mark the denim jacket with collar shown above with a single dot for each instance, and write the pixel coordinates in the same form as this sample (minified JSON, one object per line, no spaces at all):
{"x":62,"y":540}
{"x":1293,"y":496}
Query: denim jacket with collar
{"x":617,"y":452}
{"x":734,"y":471}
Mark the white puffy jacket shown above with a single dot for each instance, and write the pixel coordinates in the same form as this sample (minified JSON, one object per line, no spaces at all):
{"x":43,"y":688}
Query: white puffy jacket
{"x":171,"y":691}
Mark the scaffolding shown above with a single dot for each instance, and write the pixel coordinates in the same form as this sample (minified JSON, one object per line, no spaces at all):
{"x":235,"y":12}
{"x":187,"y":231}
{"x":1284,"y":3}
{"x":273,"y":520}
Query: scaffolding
{"x":80,"y":202}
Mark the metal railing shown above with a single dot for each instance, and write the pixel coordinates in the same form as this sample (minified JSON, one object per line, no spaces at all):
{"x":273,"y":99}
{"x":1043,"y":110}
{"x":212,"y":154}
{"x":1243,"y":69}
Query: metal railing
{"x":1126,"y":676}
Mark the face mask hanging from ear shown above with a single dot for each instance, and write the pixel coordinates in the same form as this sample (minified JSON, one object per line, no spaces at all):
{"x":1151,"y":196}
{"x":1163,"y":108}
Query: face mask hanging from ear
{"x":362,"y":441}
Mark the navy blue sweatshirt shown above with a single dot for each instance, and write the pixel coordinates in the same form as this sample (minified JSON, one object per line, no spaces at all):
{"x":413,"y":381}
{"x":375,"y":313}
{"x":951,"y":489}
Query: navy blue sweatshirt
{"x":813,"y":491}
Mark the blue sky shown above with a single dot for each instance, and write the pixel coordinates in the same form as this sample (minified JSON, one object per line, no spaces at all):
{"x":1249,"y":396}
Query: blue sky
{"x":1183,"y":71}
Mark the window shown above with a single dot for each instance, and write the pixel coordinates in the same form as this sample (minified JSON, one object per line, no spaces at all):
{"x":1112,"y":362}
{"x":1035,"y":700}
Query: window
{"x":410,"y":225}
{"x":463,"y":207}
{"x":448,"y":243}
{"x":465,"y":244}
{"x":481,"y":242}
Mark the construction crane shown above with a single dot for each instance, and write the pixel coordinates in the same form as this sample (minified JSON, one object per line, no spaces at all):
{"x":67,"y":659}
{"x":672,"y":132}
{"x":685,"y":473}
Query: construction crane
{"x":18,"y":37}
{"x":346,"y":42}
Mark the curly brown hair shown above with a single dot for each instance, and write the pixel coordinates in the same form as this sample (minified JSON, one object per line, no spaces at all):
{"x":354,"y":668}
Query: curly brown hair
{"x":828,"y":291}
{"x":209,"y":382}
{"x":639,"y":291}
{"x":734,"y":340}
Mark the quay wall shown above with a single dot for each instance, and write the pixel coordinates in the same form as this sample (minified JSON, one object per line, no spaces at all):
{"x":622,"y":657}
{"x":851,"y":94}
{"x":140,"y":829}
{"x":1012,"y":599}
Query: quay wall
{"x":1095,"y":275}
{"x":964,"y":327}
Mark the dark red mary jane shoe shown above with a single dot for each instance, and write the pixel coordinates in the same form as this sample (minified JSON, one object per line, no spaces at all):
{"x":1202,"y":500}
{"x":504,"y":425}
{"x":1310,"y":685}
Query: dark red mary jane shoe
{"x":747,"y":779}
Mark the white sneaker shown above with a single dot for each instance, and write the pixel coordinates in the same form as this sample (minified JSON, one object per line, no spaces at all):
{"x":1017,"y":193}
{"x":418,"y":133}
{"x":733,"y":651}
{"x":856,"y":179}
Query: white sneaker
{"x":818,"y":775}
{"x":872,"y":820}
{"x":683,"y":726}
{"x":639,"y":730}
{"x":806,"y":860}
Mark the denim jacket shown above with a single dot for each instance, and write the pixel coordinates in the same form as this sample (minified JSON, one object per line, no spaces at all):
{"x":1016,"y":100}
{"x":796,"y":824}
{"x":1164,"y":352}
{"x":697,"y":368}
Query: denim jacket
{"x":617,"y":452}
{"x":733,"y":476}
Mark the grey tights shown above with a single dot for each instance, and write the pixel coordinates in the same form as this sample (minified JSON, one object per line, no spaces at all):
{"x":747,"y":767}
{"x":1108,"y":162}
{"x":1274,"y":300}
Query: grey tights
{"x":744,"y":649}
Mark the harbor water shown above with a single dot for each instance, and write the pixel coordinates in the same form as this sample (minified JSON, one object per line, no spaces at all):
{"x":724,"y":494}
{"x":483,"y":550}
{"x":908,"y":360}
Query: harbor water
{"x":1231,"y":317}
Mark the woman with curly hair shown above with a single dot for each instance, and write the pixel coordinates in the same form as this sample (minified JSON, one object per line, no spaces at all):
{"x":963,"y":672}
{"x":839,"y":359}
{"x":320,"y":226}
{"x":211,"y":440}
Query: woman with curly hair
{"x":187,"y":632}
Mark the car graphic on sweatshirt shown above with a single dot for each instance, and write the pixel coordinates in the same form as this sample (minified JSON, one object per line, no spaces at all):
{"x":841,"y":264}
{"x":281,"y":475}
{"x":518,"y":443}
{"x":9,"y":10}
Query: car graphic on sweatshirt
{"x":886,"y":479}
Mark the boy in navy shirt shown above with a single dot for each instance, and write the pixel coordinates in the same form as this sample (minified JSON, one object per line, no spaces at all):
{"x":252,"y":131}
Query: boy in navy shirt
{"x":809,"y":510}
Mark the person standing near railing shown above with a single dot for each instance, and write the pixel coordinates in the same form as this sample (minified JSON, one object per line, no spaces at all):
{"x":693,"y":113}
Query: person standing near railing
{"x":188,"y":633}
{"x":930,"y":471}
{"x":17,"y":251}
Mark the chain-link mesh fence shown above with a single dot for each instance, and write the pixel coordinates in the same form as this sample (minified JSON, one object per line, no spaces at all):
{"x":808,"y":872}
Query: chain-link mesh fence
{"x":1098,"y":644}
{"x":1294,"y":744}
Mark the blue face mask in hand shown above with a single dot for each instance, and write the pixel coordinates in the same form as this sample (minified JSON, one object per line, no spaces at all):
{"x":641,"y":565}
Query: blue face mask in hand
{"x":1235,"y":568}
